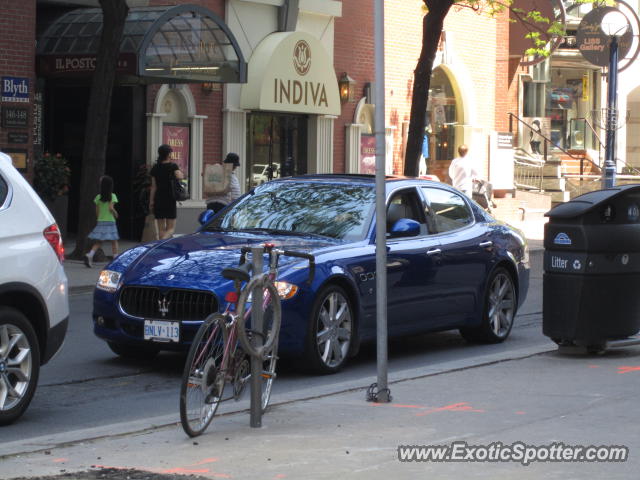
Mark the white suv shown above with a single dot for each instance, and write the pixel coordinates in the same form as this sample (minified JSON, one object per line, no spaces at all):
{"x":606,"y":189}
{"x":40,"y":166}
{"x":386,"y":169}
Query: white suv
{"x":34,"y":302}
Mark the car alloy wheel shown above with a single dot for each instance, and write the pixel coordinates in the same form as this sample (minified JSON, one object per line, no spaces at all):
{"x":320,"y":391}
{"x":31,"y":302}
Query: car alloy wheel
{"x":331,"y":330}
{"x":499,"y":310}
{"x":19,"y":364}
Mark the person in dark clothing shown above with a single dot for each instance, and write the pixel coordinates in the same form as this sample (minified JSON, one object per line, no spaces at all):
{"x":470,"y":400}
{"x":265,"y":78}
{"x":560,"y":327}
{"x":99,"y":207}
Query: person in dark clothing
{"x":162,"y":203}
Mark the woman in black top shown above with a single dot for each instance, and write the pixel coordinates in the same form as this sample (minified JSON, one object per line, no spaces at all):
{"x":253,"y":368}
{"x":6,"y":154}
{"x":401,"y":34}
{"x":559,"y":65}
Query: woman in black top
{"x":162,"y":203}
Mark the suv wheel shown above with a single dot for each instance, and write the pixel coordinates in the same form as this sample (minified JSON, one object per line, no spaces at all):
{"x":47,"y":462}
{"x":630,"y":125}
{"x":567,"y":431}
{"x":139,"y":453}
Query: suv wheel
{"x":19,"y":364}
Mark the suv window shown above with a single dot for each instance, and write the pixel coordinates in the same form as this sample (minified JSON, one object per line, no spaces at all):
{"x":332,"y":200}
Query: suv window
{"x":4,"y":190}
{"x":449,"y":210}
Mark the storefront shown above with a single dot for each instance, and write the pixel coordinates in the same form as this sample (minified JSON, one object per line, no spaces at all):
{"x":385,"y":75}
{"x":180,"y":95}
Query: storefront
{"x":564,"y":102}
{"x":291,"y":98}
{"x":164,"y":50}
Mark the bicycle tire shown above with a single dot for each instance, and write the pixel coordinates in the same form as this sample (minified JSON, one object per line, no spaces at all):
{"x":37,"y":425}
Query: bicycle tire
{"x":202,"y":382}
{"x":268,"y":375}
{"x":270,"y":337}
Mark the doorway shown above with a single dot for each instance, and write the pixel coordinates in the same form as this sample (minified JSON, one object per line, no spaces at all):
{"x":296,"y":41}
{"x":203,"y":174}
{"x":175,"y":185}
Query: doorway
{"x":276,"y":147}
{"x":66,"y":113}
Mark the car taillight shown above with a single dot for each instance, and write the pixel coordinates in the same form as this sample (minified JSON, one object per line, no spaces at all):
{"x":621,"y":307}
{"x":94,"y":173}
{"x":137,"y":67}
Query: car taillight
{"x":52,"y":234}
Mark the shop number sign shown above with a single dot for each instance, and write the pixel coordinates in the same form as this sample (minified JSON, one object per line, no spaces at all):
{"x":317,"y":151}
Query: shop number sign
{"x":15,"y":117}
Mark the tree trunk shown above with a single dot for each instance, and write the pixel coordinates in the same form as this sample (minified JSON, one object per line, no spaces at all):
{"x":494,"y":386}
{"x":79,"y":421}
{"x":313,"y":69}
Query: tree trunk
{"x":114,"y":15}
{"x":432,"y":25}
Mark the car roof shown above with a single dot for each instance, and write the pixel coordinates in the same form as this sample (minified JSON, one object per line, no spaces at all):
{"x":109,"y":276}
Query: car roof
{"x":357,"y":178}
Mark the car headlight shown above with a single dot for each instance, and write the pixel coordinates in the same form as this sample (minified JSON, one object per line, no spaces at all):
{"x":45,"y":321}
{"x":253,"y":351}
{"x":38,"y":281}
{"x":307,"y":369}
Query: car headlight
{"x":108,"y":280}
{"x":286,"y":290}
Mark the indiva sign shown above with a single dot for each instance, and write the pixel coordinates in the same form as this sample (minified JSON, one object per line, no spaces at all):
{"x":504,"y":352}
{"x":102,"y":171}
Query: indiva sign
{"x":295,"y":92}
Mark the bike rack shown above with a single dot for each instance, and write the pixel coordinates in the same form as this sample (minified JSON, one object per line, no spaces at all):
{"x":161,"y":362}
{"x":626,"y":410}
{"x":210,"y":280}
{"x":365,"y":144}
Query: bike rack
{"x":257,"y":319}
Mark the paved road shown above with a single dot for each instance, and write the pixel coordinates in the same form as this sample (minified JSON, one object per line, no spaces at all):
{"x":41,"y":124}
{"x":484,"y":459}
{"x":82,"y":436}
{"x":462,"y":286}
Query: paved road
{"x":87,"y":391}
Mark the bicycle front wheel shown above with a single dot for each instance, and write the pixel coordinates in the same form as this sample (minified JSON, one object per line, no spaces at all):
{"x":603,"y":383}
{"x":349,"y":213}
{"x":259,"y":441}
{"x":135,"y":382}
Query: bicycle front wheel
{"x":272,"y":316}
{"x":203,"y":379}
{"x":268,"y":374}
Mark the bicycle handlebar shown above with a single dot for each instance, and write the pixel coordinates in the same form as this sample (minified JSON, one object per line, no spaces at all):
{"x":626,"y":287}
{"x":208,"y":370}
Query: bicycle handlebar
{"x":287,"y":253}
{"x":307,"y":256}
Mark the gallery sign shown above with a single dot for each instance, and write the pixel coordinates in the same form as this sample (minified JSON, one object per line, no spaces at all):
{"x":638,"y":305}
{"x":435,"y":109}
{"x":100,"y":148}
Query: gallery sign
{"x":593,"y":43}
{"x":15,"y":89}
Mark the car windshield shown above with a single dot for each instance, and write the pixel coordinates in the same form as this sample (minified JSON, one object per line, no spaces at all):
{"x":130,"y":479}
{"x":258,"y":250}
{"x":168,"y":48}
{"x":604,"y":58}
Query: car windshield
{"x":340,"y":211}
{"x":258,"y":168}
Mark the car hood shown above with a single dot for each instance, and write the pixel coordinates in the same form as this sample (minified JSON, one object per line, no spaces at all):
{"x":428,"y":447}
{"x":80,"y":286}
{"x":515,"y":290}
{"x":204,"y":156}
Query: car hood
{"x":196,"y":261}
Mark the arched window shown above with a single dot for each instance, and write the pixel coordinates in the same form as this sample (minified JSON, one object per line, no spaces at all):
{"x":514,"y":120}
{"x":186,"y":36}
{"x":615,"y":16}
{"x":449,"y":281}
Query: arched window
{"x":442,"y":117}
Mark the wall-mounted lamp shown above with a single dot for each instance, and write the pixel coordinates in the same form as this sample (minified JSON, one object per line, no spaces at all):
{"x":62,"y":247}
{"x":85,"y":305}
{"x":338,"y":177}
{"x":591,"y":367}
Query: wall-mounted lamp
{"x":210,"y":87}
{"x":347,"y":86}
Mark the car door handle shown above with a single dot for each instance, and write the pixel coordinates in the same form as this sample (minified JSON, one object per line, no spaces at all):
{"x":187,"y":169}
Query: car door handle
{"x":486,"y":244}
{"x":434,"y":251}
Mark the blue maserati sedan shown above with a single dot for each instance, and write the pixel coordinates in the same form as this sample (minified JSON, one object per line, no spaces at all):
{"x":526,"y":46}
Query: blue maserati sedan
{"x":450,"y":265}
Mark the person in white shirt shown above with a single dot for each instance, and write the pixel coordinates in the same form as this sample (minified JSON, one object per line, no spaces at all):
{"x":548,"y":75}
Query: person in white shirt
{"x":218,"y":202}
{"x":463,"y":172}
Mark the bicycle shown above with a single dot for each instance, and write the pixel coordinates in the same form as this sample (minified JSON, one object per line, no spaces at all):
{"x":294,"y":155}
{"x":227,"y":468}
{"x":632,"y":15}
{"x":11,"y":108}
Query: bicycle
{"x":219,"y":353}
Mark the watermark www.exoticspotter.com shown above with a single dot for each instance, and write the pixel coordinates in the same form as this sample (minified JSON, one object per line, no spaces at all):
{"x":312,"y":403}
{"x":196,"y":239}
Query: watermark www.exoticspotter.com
{"x":514,"y":452}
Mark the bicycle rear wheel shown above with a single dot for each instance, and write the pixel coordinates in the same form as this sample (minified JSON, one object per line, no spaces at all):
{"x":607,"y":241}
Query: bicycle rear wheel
{"x":203,"y":379}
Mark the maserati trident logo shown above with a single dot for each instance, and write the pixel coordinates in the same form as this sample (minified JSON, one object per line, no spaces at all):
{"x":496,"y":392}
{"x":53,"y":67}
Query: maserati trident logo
{"x":163,"y":306}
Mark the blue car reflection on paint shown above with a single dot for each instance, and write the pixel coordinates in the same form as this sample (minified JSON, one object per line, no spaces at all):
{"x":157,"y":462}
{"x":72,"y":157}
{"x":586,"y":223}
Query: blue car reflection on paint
{"x":450,"y":265}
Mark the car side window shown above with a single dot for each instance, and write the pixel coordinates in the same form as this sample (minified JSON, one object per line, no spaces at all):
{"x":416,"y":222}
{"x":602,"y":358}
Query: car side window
{"x":4,"y":190}
{"x":448,"y":209}
{"x":405,"y":204}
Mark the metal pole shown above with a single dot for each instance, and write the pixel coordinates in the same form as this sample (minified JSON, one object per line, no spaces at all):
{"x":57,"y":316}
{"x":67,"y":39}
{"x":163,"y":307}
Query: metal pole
{"x":381,"y":208}
{"x":256,"y":325}
{"x":609,"y":174}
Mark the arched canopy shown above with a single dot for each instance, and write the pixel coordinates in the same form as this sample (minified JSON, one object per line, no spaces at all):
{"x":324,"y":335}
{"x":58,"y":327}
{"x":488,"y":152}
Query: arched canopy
{"x":291,"y":72}
{"x":162,"y":44}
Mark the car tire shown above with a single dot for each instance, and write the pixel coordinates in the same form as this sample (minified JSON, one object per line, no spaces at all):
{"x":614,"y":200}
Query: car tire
{"x":330,"y":335}
{"x":133,"y":352}
{"x":16,"y":332}
{"x":499,"y":310}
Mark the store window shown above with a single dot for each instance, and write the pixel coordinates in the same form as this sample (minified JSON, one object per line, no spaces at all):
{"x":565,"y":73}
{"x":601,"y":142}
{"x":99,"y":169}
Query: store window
{"x":442,"y":117}
{"x":276,"y":147}
{"x":570,"y":104}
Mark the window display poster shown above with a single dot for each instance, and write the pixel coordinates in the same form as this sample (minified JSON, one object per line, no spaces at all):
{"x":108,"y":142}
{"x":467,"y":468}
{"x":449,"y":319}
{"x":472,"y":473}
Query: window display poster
{"x":177,"y":137}
{"x":368,"y":154}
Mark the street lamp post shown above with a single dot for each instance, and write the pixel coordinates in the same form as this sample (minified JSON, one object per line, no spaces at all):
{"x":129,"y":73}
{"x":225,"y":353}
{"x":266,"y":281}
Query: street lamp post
{"x":614,"y":24}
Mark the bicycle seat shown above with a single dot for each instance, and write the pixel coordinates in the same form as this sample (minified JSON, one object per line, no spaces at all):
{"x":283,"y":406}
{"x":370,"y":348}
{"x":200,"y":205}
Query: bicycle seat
{"x":240,"y":272}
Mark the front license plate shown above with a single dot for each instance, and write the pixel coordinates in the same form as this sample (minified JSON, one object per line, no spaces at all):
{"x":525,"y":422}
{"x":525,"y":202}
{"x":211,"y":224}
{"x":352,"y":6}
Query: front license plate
{"x":159,"y":331}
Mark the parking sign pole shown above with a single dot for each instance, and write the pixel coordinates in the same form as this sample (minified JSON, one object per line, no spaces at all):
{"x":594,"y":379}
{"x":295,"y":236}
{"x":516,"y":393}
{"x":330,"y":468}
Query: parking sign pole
{"x":382,"y":391}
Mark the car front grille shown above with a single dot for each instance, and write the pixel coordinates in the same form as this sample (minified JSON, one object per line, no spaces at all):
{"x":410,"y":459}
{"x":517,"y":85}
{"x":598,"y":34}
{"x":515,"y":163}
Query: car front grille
{"x":174,"y":304}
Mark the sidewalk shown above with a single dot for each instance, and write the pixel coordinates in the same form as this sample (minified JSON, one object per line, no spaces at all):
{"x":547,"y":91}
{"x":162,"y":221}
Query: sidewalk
{"x":547,"y":399}
{"x":83,"y":279}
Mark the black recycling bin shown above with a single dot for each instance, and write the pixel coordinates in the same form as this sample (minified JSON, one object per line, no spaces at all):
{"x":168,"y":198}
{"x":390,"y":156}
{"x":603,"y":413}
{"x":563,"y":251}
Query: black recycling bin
{"x":591,"y":281}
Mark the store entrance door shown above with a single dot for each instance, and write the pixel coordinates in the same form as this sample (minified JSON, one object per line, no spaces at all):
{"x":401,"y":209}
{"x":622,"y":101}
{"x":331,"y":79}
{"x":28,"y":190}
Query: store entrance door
{"x":276,"y":147}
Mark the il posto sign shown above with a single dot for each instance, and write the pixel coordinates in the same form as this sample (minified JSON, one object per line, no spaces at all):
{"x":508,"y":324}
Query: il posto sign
{"x":593,"y":43}
{"x":60,"y":65}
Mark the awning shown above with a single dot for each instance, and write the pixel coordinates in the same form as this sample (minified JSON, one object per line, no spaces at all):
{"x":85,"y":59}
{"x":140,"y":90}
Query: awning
{"x":291,"y":72}
{"x":163,"y":44}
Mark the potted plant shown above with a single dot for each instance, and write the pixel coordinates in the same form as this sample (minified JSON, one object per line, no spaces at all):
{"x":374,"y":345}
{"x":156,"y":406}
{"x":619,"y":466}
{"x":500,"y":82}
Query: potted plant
{"x":51,"y":181}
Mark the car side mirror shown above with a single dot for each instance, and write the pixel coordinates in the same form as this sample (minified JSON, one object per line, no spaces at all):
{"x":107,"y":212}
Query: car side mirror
{"x":205,"y":217}
{"x":405,"y":227}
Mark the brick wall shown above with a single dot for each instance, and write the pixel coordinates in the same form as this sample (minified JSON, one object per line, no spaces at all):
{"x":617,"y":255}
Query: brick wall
{"x":353,"y":54}
{"x":17,"y":59}
{"x":477,"y":47}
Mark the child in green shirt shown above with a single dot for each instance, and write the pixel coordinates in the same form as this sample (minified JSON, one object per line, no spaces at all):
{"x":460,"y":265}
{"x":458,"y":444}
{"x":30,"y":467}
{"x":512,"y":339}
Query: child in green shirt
{"x":106,"y":213}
